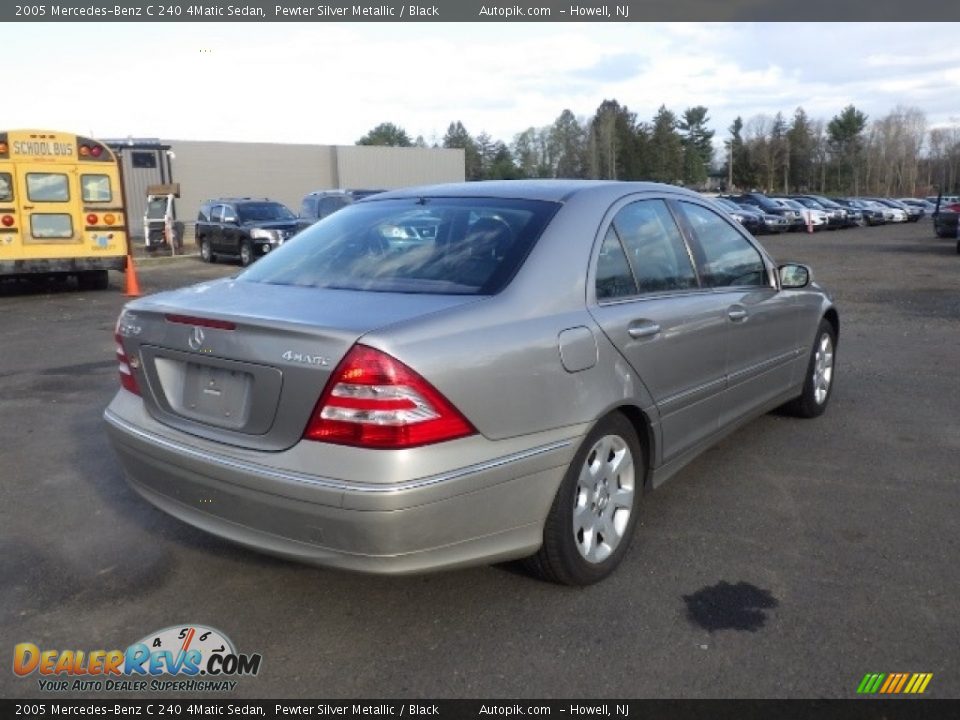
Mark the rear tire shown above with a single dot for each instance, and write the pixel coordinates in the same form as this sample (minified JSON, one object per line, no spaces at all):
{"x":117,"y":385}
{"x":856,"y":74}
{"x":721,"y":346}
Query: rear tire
{"x":246,"y":253}
{"x":93,"y":280}
{"x":594,"y":513}
{"x":820,"y":376}
{"x":206,"y":252}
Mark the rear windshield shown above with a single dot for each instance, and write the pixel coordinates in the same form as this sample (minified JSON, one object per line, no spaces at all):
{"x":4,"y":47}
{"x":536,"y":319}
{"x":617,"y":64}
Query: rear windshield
{"x":255,"y":212}
{"x":460,"y":246}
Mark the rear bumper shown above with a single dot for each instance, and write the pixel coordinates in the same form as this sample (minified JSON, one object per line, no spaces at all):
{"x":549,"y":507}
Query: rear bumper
{"x":481,"y":513}
{"x":71,"y":265}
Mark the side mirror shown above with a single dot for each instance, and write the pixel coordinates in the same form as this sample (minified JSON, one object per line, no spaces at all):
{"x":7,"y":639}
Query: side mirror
{"x":794,"y":276}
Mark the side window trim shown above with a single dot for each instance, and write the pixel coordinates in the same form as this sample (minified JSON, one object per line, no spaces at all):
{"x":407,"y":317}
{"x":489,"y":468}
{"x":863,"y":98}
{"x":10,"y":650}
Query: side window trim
{"x":686,"y":233}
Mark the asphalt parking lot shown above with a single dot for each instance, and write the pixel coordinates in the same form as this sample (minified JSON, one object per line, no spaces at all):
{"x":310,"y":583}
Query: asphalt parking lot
{"x":788,"y":561}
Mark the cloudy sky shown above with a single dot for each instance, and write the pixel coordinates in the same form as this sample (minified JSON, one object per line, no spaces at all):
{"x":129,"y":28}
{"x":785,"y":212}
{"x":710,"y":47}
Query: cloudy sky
{"x":329,"y":83}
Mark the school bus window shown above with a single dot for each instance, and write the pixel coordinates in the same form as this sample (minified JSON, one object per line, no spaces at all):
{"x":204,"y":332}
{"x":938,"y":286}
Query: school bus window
{"x":50,"y":225}
{"x":47,"y":187}
{"x":6,"y":187}
{"x":95,"y":188}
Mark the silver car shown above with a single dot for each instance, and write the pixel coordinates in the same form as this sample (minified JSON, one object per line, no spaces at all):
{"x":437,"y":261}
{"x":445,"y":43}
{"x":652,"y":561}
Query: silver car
{"x":505,"y":386}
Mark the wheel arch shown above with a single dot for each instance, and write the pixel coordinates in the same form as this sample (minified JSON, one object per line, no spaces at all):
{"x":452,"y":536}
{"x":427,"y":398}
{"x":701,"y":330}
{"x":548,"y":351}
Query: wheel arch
{"x":833,"y":317}
{"x":644,"y":428}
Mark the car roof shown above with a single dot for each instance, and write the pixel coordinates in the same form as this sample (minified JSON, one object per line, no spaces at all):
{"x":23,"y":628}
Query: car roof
{"x":549,"y":190}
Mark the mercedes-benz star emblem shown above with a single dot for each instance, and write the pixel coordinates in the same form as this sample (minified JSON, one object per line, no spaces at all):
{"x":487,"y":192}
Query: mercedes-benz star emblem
{"x":195,"y":341}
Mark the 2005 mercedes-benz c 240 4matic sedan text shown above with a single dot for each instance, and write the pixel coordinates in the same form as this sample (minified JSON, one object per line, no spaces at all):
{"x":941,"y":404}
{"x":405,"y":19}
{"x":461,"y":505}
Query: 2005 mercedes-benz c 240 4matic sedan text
{"x":462,"y":374}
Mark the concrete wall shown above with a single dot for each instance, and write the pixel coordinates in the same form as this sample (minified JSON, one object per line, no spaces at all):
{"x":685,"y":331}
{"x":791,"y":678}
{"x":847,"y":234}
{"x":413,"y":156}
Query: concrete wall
{"x":363,"y":166}
{"x":286,"y":173}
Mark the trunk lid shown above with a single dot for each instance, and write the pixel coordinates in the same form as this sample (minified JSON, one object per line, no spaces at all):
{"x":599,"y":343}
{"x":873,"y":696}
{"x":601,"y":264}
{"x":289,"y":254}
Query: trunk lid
{"x":244,"y":363}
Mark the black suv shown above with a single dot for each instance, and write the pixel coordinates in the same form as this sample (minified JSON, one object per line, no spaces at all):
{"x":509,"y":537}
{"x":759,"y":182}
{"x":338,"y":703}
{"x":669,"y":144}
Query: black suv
{"x":317,"y":205}
{"x":244,"y":228}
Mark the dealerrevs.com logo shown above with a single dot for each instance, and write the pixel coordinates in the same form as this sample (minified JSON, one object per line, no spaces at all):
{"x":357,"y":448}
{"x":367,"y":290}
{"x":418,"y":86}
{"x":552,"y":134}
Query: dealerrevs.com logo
{"x":180,"y":658}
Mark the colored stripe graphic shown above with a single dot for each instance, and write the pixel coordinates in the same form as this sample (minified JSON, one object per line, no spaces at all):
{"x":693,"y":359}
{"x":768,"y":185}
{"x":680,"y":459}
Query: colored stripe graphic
{"x":894,"y":683}
{"x":891,"y":680}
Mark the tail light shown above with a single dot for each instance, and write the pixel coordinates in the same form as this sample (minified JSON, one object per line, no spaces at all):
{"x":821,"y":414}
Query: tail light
{"x":373,"y":400}
{"x":7,"y":220}
{"x":109,"y":219}
{"x":125,"y":366}
{"x":96,"y":151}
{"x":92,"y":219}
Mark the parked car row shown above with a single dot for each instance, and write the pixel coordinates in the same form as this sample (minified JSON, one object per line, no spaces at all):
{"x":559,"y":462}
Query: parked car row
{"x":247,"y":228}
{"x":767,"y":213}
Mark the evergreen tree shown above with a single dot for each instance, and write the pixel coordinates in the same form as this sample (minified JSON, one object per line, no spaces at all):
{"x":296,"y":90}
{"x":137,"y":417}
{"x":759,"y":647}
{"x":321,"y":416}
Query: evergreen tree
{"x":666,"y":148}
{"x":697,"y":145}
{"x":845,"y":141}
{"x":801,"y":146}
{"x":567,"y":138}
{"x":458,"y":137}
{"x":502,"y":166}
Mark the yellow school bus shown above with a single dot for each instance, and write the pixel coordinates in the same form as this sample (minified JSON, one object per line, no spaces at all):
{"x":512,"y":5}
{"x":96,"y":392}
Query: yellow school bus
{"x":61,"y":207}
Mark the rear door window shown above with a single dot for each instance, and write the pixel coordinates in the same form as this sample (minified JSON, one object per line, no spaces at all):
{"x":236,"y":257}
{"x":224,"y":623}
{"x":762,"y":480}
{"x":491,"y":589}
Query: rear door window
{"x":6,"y":187}
{"x":655,"y":249}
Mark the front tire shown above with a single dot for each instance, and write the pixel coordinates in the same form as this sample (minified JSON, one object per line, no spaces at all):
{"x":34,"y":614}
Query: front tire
{"x":594,"y":513}
{"x":818,"y":386}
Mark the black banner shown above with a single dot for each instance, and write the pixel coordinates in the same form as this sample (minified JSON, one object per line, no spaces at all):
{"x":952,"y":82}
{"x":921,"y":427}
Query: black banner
{"x":479,"y":11}
{"x":855,"y":709}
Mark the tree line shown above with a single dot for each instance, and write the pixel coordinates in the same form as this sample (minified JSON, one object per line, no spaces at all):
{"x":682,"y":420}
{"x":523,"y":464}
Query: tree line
{"x":894,"y":155}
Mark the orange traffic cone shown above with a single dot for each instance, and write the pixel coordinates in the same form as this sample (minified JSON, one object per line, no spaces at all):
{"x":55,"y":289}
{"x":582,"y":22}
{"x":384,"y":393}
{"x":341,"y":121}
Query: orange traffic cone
{"x":132,"y":284}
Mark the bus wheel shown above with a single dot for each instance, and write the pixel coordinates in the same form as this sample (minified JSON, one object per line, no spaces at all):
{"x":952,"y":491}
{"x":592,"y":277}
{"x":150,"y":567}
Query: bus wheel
{"x":93,"y":280}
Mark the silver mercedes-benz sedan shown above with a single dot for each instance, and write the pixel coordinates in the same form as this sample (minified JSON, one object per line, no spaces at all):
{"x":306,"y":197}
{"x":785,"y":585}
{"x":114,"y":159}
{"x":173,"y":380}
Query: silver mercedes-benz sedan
{"x":463,"y":374}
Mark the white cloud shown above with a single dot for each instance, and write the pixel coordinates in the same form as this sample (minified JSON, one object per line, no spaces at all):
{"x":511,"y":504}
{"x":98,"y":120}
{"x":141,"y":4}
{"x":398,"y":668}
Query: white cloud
{"x":330,"y":83}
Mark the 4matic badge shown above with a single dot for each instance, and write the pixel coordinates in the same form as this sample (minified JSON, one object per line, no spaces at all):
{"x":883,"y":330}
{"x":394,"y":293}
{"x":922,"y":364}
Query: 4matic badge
{"x":305,"y":358}
{"x":204,"y":656}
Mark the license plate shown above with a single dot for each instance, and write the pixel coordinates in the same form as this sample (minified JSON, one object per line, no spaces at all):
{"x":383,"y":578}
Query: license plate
{"x":216,"y":395}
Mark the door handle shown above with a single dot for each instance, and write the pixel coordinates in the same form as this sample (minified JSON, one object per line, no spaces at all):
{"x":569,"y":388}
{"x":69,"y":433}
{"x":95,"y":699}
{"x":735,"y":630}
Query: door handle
{"x":643,"y":329}
{"x":737,"y":313}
